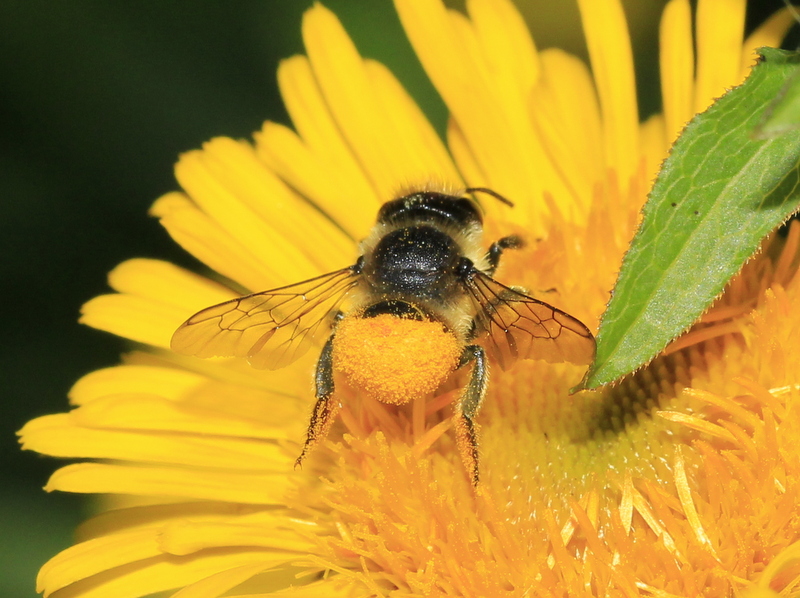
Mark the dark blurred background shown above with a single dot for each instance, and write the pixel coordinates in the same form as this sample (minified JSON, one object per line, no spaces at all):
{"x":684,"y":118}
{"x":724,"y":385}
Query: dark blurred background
{"x":98,"y":99}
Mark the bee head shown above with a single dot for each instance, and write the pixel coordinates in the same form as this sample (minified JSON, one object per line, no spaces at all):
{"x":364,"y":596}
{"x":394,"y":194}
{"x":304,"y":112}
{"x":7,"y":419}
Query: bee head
{"x":431,"y":206}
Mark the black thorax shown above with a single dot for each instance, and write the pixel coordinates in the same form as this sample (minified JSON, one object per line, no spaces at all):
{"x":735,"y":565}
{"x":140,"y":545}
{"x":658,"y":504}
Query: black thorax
{"x":414,"y":262}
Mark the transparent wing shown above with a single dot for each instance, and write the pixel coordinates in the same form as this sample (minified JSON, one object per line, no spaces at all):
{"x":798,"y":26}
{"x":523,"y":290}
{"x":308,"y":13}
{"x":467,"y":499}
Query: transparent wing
{"x":271,"y":329}
{"x":516,"y":326}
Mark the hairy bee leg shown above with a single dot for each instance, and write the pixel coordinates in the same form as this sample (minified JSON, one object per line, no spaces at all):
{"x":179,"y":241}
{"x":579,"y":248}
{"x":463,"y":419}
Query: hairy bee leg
{"x":326,"y":407}
{"x":496,"y":250}
{"x":466,"y":409}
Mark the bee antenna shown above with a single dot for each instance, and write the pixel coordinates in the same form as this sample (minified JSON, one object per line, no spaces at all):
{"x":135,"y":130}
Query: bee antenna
{"x":494,"y":194}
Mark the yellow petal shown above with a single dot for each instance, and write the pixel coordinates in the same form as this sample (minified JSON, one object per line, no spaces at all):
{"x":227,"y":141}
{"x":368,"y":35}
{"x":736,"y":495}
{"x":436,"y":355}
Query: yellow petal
{"x":285,"y":214}
{"x":506,"y":57}
{"x":148,"y":515}
{"x":653,"y":138}
{"x":494,"y":211}
{"x":506,"y":44}
{"x":59,"y":436}
{"x":565,"y":111}
{"x":166,"y":283}
{"x":96,"y":478}
{"x":234,"y":386}
{"x":320,"y":175}
{"x":411,"y":133}
{"x":138,"y":319}
{"x":89,"y":558}
{"x":345,"y":190}
{"x":171,"y":383}
{"x":153,"y":575}
{"x":491,"y":109}
{"x":612,"y":64}
{"x":720,"y":28}
{"x":184,"y":537}
{"x":203,"y":237}
{"x":202,"y":175}
{"x":164,"y":542}
{"x":335,"y":191}
{"x":345,"y":83}
{"x":216,"y":585}
{"x":463,"y":155}
{"x":135,"y":411}
{"x":316,"y":126}
{"x":676,"y":56}
{"x":335,"y":586}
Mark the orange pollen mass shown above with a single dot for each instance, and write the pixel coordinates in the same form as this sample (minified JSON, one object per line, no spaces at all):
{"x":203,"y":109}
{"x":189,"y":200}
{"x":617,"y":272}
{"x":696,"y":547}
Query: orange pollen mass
{"x":395,"y":360}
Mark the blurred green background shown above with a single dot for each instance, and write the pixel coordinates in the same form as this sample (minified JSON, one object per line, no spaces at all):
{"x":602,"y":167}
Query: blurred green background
{"x":98,"y":99}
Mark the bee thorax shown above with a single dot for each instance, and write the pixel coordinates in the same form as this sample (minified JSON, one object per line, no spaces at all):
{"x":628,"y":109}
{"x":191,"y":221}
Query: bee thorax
{"x":417,"y":261}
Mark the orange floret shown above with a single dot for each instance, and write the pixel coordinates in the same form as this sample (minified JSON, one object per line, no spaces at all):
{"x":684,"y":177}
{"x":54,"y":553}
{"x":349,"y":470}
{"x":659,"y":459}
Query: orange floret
{"x":395,"y":360}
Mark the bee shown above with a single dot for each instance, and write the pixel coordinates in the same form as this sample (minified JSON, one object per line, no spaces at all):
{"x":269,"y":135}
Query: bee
{"x":420,"y":302}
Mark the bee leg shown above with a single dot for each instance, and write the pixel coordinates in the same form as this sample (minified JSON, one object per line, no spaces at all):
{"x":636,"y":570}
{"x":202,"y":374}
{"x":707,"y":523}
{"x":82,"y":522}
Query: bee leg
{"x":466,"y":409}
{"x":496,"y":250}
{"x":326,"y":407}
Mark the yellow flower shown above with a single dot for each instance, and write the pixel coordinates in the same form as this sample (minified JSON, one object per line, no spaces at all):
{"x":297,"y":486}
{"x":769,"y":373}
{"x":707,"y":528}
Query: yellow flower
{"x":682,"y":480}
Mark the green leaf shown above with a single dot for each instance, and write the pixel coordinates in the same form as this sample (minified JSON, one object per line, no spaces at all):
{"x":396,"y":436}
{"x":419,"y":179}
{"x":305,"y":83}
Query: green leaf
{"x":719,"y":193}
{"x":783,"y":113}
